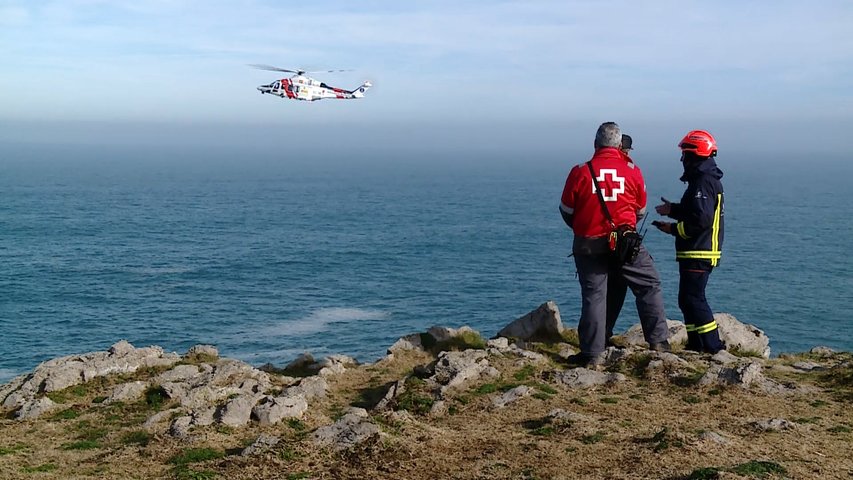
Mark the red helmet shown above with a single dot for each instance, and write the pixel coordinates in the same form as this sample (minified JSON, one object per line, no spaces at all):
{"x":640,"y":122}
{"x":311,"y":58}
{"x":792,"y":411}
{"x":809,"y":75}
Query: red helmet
{"x":700,"y":142}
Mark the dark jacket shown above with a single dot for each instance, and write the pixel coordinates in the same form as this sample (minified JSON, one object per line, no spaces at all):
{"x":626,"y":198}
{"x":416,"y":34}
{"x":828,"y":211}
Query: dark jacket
{"x":700,"y":214}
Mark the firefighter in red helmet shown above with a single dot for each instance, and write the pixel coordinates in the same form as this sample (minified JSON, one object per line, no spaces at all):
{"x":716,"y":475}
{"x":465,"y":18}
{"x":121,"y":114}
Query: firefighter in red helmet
{"x":698,"y":231}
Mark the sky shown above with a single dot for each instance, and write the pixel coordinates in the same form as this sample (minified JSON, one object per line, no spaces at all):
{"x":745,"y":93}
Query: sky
{"x":532,"y":74}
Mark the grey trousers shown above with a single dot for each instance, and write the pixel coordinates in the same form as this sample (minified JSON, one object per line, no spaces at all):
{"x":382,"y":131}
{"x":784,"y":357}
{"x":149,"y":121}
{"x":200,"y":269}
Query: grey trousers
{"x":641,"y":277}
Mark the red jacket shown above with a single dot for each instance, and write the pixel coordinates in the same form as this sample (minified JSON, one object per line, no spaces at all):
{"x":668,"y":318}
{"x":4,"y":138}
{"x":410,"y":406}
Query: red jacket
{"x":621,"y":184}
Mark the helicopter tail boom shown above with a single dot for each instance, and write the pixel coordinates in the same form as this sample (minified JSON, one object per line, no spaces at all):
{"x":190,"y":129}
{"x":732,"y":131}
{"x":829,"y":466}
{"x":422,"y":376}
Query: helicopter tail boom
{"x":359,"y":92}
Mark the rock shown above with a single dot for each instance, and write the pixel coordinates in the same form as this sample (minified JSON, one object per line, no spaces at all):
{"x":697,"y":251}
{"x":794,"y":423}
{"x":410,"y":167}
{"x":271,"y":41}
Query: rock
{"x":511,"y":396}
{"x":270,"y":411}
{"x":208,"y":351}
{"x":822,"y":351}
{"x":724,"y":357}
{"x":238,"y":411}
{"x":456,"y":368}
{"x":542,"y":324}
{"x":582,"y":378}
{"x":302,"y":361}
{"x":807,"y":366}
{"x":127,"y":392}
{"x":311,"y":388}
{"x":262,"y":444}
{"x":677,"y":334}
{"x":121,"y":348}
{"x":178,"y":374}
{"x":389,"y":401}
{"x":350,"y":430}
{"x":501,"y":344}
{"x":774,"y":425}
{"x":714,"y":437}
{"x":742,"y":336}
{"x":742,"y":375}
{"x":409,"y":342}
{"x":35,"y":408}
{"x":61,"y":373}
{"x":181,"y":426}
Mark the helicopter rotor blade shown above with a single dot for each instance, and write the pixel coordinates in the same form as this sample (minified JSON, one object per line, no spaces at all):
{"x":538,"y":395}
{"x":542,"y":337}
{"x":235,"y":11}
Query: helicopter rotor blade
{"x":260,"y":66}
{"x":328,"y":71}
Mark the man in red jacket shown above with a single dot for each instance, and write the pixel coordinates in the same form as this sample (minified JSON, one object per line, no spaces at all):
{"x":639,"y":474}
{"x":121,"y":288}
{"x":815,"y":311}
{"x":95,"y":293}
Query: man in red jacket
{"x":623,"y":191}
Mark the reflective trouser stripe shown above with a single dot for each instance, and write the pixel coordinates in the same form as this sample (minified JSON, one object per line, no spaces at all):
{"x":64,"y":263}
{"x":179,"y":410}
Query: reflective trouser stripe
{"x":701,"y":328}
{"x":700,"y":254}
{"x":706,"y":328}
{"x":680,"y":228}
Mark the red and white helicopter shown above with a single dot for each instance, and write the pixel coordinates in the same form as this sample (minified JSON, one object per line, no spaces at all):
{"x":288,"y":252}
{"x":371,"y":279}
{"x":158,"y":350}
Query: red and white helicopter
{"x":302,"y":87}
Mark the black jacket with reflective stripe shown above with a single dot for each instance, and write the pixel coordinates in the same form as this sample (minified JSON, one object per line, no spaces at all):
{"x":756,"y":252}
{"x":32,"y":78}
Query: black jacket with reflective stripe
{"x":700,"y":214}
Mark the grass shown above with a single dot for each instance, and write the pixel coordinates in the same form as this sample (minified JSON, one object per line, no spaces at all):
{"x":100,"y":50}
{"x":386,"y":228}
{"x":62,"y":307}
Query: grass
{"x":745,"y":353}
{"x":67,"y":414}
{"x":840,"y":429}
{"x":13,"y":449}
{"x":462,"y":341}
{"x":47,"y":467}
{"x":610,"y":400}
{"x":136,"y":437}
{"x":195,"y":455}
{"x":592,"y":439}
{"x":156,"y":397}
{"x":524,"y":373}
{"x":752,"y":469}
{"x":82,"y":445}
{"x":65,"y":395}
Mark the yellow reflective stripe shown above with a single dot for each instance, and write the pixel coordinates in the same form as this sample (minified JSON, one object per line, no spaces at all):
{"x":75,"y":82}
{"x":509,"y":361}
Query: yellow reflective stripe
{"x":699,"y":254}
{"x":707,"y":327}
{"x":681,"y":232}
{"x":715,"y":232}
{"x":690,"y":327}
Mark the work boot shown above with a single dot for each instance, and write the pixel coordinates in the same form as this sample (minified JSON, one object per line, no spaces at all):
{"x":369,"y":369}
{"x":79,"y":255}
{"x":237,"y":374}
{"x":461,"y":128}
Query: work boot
{"x":661,"y":346}
{"x":585,"y":361}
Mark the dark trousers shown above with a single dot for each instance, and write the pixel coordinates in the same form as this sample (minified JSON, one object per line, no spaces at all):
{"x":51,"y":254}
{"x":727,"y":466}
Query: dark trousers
{"x":641,"y":276}
{"x":702,"y":332}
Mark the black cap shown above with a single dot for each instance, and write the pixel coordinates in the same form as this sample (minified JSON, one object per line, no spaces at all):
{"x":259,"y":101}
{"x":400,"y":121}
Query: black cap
{"x":626,"y":142}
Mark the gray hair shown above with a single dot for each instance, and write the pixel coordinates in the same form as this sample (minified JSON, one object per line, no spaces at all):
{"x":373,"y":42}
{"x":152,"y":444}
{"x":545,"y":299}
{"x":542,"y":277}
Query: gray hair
{"x":608,"y":135}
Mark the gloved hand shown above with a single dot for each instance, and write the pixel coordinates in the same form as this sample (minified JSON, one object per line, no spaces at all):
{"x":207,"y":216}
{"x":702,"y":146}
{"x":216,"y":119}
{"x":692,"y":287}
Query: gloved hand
{"x":665,"y":227}
{"x":664,"y":208}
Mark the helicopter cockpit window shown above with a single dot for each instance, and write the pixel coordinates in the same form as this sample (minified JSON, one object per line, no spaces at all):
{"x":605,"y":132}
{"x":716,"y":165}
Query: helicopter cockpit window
{"x":276,"y":85}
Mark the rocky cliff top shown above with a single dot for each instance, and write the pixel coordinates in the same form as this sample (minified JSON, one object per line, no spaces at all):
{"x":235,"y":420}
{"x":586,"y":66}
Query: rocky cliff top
{"x":444,"y":403}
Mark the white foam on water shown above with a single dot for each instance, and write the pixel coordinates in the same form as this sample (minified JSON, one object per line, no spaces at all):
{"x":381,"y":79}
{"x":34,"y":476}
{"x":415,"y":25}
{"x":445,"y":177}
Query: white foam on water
{"x":320,"y":319}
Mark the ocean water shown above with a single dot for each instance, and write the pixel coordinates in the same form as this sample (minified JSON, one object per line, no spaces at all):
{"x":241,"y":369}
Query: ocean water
{"x":267,"y":256}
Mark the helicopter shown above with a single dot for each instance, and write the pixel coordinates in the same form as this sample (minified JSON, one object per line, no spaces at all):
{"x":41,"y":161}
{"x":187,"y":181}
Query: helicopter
{"x":303,"y":87}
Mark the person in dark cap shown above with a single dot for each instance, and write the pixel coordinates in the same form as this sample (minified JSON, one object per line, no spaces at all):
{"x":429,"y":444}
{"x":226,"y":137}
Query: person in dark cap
{"x":627,"y":144}
{"x":617,"y":288}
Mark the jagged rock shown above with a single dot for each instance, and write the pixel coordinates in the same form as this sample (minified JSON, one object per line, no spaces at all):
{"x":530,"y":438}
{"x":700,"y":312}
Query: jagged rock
{"x":677,"y":334}
{"x":566,"y":350}
{"x":302,"y":361}
{"x":714,"y":437}
{"x":127,"y":392}
{"x":181,"y":426}
{"x":558,"y":415}
{"x":542,"y":324}
{"x":262,"y":444}
{"x":742,"y":336}
{"x":774,"y":425}
{"x":60,"y":373}
{"x":613,"y":355}
{"x":500,"y":344}
{"x":409,"y":342}
{"x":724,"y":357}
{"x":178,"y":374}
{"x":270,"y":411}
{"x":582,"y":378}
{"x":334,"y":365}
{"x":822,"y":351}
{"x":35,"y":408}
{"x":208,"y":351}
{"x":511,"y":396}
{"x":350,"y":430}
{"x":238,"y":411}
{"x":389,"y":401}
{"x":204,"y":416}
{"x":743,"y":375}
{"x":807,"y":366}
{"x":536,"y":357}
{"x":309,"y":387}
{"x":455,"y":368}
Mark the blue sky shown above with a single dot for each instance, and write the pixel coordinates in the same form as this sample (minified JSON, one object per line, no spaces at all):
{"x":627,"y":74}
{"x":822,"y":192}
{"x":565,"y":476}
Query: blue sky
{"x":525,"y":72}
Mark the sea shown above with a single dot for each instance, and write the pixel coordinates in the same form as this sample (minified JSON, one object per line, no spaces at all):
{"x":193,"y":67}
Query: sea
{"x":268,"y":255}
